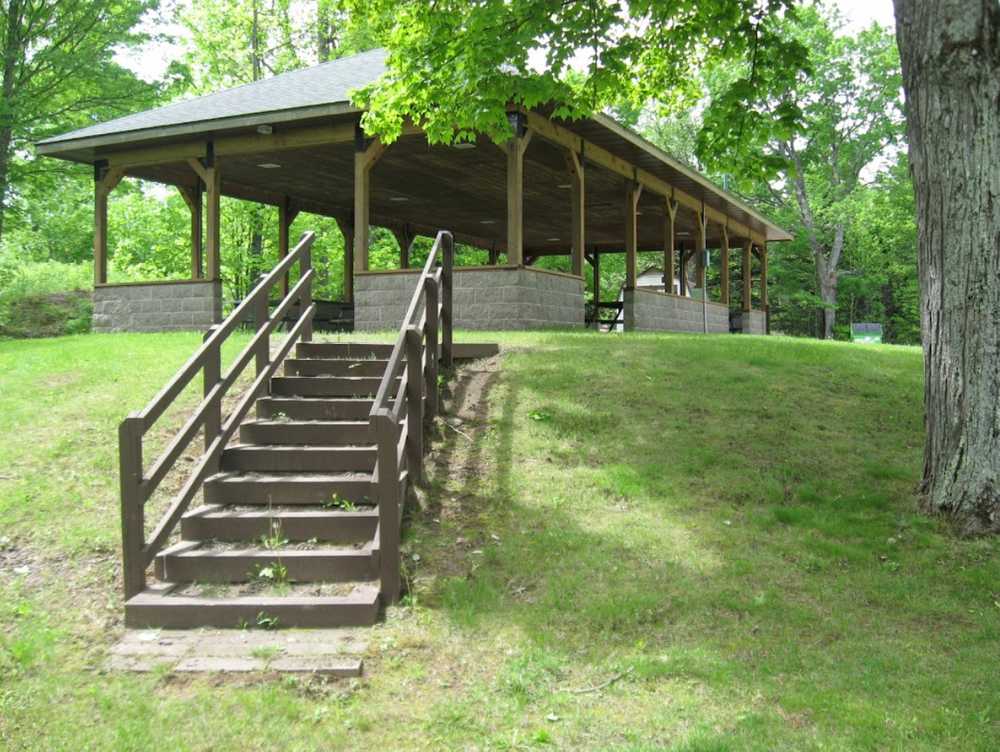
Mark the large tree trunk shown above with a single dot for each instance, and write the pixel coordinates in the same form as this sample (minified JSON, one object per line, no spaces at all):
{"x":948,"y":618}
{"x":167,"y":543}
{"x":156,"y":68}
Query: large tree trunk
{"x":950,"y":52}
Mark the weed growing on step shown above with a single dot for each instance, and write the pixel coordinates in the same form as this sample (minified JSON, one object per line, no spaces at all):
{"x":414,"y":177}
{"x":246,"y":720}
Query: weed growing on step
{"x":274,"y":539}
{"x":344,"y":505}
{"x":271,"y":574}
{"x":267,"y":653}
{"x":266,"y":621}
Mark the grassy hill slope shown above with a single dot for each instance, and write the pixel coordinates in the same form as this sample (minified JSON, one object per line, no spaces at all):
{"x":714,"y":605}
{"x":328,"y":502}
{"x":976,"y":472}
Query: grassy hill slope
{"x":629,"y":543}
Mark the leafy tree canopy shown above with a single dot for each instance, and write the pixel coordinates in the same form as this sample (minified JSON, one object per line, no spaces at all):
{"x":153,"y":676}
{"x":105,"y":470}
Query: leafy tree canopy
{"x":456,"y":67}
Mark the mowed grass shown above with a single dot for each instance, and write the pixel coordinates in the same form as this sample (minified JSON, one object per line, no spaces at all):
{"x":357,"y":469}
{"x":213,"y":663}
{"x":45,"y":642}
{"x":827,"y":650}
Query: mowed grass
{"x":637,"y":543}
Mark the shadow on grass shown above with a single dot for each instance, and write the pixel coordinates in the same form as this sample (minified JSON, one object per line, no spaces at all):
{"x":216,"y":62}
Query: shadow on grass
{"x":736,"y":511}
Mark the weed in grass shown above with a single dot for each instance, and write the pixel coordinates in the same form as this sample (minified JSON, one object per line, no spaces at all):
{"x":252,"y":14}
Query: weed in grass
{"x":267,"y":653}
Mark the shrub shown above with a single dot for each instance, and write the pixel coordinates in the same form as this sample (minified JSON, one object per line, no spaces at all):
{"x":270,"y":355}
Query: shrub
{"x":44,"y":298}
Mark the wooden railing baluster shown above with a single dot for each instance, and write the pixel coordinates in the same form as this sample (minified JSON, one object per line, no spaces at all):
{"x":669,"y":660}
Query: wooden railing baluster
{"x":419,"y":340}
{"x":135,"y":487}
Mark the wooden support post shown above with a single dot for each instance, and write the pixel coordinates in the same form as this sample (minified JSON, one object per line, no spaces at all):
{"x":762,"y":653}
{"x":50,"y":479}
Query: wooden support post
{"x":669,"y":242}
{"x":414,"y":405}
{"x":212,"y":375}
{"x":130,"y":486}
{"x":597,"y":290}
{"x":404,"y":238}
{"x":105,"y":181}
{"x":700,"y":233}
{"x":433,"y":347}
{"x":682,"y":273}
{"x":447,"y":301}
{"x":494,"y":256}
{"x":210,"y":176}
{"x":348,"y":233}
{"x":515,"y":147}
{"x":632,"y":193}
{"x":747,"y":275}
{"x":577,"y":197}
{"x":366,"y":154}
{"x":286,"y":215}
{"x":386,"y":436}
{"x":724,"y":269}
{"x":764,"y":305}
{"x":192,"y":197}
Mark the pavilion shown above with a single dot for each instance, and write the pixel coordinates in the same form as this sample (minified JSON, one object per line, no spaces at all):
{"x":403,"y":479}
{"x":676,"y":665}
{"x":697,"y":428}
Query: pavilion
{"x":582,"y":188}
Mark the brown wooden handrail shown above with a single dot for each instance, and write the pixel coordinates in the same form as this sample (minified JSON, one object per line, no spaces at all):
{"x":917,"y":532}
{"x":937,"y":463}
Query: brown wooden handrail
{"x":399,"y":442}
{"x":138,"y":485}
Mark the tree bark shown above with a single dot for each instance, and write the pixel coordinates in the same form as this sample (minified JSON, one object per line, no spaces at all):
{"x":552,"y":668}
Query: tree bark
{"x":950,"y":54}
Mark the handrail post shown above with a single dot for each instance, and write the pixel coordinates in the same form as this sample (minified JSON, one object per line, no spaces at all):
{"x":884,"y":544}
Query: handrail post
{"x":305,"y":264}
{"x":433,"y":351}
{"x":261,"y":317}
{"x":386,"y":436}
{"x":132,"y":503}
{"x":414,"y":404}
{"x":212,"y":371}
{"x":448,"y":263}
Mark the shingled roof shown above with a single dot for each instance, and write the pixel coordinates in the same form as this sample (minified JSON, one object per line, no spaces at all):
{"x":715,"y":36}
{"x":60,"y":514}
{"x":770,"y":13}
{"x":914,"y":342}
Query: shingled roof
{"x":304,"y":89}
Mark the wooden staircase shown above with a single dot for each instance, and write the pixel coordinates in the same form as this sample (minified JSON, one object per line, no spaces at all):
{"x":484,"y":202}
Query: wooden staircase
{"x":299,"y":525}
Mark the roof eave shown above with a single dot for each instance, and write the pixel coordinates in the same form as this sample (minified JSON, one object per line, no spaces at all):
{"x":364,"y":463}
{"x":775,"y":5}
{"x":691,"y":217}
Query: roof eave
{"x":774,"y":232}
{"x":61,"y":146}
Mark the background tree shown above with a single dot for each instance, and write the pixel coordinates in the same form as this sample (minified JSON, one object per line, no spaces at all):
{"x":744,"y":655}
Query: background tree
{"x":59,"y":72}
{"x":850,"y":115}
{"x":950,"y":52}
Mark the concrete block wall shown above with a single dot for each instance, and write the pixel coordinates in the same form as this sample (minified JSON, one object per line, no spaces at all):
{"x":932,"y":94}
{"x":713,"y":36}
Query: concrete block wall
{"x":157,"y":307}
{"x":753,"y":322}
{"x":484,"y":298}
{"x":654,"y":311}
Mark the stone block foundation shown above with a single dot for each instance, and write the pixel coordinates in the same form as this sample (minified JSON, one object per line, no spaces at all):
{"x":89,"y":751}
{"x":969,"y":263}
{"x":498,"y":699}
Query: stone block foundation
{"x":496,"y":297}
{"x":655,"y":311}
{"x":157,"y":306}
{"x":753,"y":322}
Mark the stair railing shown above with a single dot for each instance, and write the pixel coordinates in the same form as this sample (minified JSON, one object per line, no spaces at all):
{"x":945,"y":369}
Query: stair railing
{"x":400,"y":412}
{"x":138,"y":484}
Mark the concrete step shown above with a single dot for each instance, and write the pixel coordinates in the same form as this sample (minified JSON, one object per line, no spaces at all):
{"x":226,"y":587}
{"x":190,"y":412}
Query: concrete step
{"x":156,"y":608}
{"x":315,"y":408}
{"x":327,"y":525}
{"x":192,"y":561}
{"x":288,"y":488}
{"x":298,"y":459}
{"x":351,"y":350}
{"x":334,"y":367}
{"x":315,"y":433}
{"x":325,"y":386}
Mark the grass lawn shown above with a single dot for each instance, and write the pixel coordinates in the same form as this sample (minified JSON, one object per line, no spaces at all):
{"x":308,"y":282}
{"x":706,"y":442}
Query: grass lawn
{"x":717,"y":535}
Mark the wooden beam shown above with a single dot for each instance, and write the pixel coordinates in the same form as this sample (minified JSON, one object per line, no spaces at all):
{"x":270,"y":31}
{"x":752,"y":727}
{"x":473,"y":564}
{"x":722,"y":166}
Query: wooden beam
{"x":515,"y":147}
{"x":105,"y":180}
{"x":578,"y":221}
{"x":365,"y":157}
{"x":597,"y":281}
{"x":604,"y":158}
{"x":724,"y":269}
{"x":669,"y":241}
{"x":192,"y":197}
{"x":747,"y":278}
{"x":347,"y":230}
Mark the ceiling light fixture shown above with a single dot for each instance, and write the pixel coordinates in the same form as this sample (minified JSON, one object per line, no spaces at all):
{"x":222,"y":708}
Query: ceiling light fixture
{"x":487,"y":221}
{"x":564,"y":185}
{"x":399,"y":199}
{"x":269,"y":165}
{"x":265,"y":130}
{"x":464,"y":145}
{"x":551,"y":240}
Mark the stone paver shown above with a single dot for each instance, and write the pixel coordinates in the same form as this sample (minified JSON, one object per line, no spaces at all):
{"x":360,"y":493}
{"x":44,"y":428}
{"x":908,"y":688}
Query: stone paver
{"x":328,"y":652}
